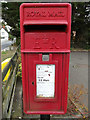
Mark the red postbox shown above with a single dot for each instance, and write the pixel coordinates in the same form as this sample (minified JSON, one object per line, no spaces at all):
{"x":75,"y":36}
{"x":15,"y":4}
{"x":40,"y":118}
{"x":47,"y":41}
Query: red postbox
{"x":45,"y":49}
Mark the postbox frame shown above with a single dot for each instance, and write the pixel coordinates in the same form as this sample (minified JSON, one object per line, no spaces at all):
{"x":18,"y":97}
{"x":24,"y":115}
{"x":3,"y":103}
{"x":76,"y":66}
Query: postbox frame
{"x":26,"y":51}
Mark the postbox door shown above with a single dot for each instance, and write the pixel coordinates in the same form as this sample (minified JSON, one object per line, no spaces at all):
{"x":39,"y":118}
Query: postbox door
{"x":55,"y":67}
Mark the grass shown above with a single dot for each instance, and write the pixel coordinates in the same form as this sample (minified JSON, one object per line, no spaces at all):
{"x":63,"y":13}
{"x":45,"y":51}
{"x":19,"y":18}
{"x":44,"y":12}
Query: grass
{"x":80,"y":49}
{"x":7,"y":54}
{"x":3,"y":52}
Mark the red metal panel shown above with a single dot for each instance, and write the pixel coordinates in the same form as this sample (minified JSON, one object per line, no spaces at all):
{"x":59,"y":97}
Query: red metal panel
{"x":37,"y":40}
{"x":66,"y":80}
{"x":60,"y":15}
{"x":40,"y":104}
{"x":45,"y":28}
{"x":59,"y":104}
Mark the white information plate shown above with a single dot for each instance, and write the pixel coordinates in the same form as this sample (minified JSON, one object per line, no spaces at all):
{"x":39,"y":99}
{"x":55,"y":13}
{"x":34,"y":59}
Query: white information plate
{"x":45,"y":80}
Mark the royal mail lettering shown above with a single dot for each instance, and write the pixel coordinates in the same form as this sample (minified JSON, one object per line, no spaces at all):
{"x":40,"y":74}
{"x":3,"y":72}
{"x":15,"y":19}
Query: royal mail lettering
{"x":44,"y":14}
{"x":36,"y":14}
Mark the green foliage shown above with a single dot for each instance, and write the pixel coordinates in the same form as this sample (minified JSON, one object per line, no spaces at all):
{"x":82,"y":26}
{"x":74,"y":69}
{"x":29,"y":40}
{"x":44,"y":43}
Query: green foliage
{"x":18,"y":41}
{"x":80,"y":24}
{"x":11,"y":37}
{"x":19,"y":73}
{"x":10,"y":13}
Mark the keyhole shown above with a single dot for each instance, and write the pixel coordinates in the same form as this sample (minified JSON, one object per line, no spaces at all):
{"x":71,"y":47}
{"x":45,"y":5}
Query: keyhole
{"x":32,"y":83}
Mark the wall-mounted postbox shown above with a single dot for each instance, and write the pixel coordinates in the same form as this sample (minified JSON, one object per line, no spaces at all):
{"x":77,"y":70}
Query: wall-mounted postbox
{"x":45,"y":49}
